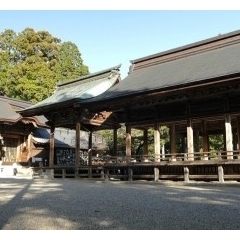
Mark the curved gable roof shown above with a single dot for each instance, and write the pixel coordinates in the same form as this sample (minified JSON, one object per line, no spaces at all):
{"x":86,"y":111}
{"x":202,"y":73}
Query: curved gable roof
{"x":79,"y":89}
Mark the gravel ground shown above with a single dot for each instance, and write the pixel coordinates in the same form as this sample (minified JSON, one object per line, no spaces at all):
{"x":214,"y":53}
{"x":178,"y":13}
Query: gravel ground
{"x":76,"y":204}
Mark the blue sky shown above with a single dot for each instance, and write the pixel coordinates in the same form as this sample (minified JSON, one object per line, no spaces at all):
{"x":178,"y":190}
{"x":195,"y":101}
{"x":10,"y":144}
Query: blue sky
{"x":107,"y":38}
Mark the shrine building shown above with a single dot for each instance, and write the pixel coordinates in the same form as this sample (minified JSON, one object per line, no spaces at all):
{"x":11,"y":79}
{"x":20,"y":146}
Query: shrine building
{"x":194,"y":90}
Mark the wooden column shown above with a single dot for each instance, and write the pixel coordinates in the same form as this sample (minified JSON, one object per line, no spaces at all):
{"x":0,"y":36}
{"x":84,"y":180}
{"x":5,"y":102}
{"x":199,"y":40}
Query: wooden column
{"x":115,"y":141}
{"x":229,"y":136}
{"x":205,"y":140}
{"x":196,"y":144}
{"x":128,"y":142}
{"x":190,"y":145}
{"x":145,"y":144}
{"x":51,"y":147}
{"x":186,"y":174}
{"x":157,"y":142}
{"x":29,"y":147}
{"x":18,"y":154}
{"x":90,"y":148}
{"x":238,"y":136}
{"x":77,"y":147}
{"x":173,"y":141}
{"x":220,"y":174}
{"x":196,"y":141}
{"x":235,"y":141}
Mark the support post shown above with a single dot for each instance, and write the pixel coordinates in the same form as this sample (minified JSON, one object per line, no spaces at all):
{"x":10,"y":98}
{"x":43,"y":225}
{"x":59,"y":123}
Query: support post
{"x":145,"y":146}
{"x":229,"y":137}
{"x":128,"y":142}
{"x":238,"y":136}
{"x":63,"y":173}
{"x":220,"y":174}
{"x":130,"y":174}
{"x":190,"y":140}
{"x":51,"y":147}
{"x":157,"y":142}
{"x":77,"y":148}
{"x":156,"y":174}
{"x":186,"y":174}
{"x":106,"y":175}
{"x":205,"y":140}
{"x":173,"y":142}
{"x":115,"y":141}
{"x":90,"y":149}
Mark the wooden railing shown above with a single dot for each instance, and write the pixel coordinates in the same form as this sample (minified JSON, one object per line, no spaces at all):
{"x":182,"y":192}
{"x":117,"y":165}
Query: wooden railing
{"x":217,"y":166}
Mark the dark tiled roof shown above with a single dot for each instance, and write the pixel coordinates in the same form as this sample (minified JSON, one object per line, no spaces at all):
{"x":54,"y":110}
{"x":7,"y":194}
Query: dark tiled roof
{"x":188,"y":69}
{"x":9,"y":108}
{"x":189,"y":46}
{"x":7,"y":112}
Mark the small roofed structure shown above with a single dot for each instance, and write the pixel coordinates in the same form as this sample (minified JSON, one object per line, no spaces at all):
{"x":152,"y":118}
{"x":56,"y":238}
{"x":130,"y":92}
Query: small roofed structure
{"x":64,"y":145}
{"x":64,"y":109}
{"x":15,"y":130}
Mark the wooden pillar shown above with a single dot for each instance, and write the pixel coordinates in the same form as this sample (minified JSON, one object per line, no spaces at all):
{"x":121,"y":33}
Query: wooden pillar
{"x":173,"y":142}
{"x":235,"y":141}
{"x":145,"y":144}
{"x":130,"y":174}
{"x":205,"y":140}
{"x":196,"y":144}
{"x":190,"y":145}
{"x":186,"y":174}
{"x":182,"y":137}
{"x":220,"y":174}
{"x":18,"y":154}
{"x":229,"y":136}
{"x":156,"y":174}
{"x":115,"y":141}
{"x":51,"y":147}
{"x":90,"y":148}
{"x":77,"y":147}
{"x":29,"y":147}
{"x":196,"y":141}
{"x":128,"y":142}
{"x":157,"y":142}
{"x":238,"y":136}
{"x":90,"y":154}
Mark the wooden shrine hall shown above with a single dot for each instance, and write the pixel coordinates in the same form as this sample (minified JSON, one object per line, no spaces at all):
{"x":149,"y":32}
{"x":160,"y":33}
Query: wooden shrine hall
{"x":194,"y":90}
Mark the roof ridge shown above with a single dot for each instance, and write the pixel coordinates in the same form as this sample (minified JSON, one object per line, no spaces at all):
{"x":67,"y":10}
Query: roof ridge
{"x":88,"y":76}
{"x":188,"y":46}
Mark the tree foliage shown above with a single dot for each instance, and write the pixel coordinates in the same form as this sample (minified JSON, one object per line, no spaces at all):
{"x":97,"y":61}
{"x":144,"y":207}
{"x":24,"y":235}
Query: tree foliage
{"x":32,"y":62}
{"x":137,"y":140}
{"x":216,"y":142}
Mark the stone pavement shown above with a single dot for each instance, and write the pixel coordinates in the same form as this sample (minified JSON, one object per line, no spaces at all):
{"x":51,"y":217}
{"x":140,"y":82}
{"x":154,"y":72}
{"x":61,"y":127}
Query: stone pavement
{"x":77,"y":204}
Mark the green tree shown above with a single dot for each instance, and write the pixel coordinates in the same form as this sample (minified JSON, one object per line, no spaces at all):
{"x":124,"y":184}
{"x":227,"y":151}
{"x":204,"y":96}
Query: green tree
{"x":32,"y":62}
{"x":137,"y":140}
{"x":70,"y":64}
{"x":7,"y":59}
